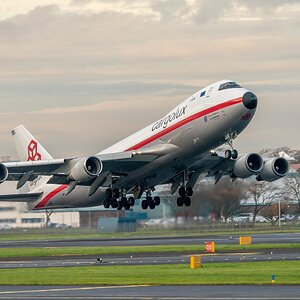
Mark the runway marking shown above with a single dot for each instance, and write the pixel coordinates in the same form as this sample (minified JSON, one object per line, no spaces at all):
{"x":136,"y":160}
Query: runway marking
{"x":73,"y":289}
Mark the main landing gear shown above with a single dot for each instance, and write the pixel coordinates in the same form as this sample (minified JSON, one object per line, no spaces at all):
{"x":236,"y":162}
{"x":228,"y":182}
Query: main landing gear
{"x":113,"y":199}
{"x":184,"y":196}
{"x":150,"y":202}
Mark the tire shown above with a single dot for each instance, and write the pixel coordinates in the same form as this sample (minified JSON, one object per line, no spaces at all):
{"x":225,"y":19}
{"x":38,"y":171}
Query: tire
{"x":156,"y":200}
{"x":181,"y":191}
{"x":148,"y":199}
{"x":144,"y":204}
{"x":106,"y":203}
{"x":126,"y":206}
{"x":123,"y":200}
{"x":179,"y":201}
{"x":187,"y":201}
{"x":120,"y":205}
{"x":152,"y":204}
{"x":108,"y":193}
{"x":114,"y":203}
{"x":131,"y":201}
{"x":116,"y":193}
{"x":189,"y":191}
{"x":227,"y":154}
{"x":234,"y":154}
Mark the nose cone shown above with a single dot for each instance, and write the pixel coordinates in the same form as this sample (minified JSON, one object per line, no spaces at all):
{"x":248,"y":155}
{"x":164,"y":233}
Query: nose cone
{"x":249,"y":100}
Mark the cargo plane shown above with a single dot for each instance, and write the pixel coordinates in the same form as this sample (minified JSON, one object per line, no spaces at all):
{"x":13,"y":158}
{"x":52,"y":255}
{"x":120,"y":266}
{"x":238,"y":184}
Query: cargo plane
{"x":174,"y":150}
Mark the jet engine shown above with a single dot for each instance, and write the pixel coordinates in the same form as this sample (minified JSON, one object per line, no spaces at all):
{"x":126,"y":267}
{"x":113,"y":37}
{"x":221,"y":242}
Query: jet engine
{"x":86,"y":169}
{"x":3,"y":173}
{"x":247,"y":165}
{"x":274,"y":168}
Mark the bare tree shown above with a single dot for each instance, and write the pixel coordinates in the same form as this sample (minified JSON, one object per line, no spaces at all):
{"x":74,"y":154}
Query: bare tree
{"x":262,"y":194}
{"x":292,"y":188}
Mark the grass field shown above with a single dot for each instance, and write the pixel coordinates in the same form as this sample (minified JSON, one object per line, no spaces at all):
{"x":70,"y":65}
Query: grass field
{"x":64,"y":251}
{"x":55,"y":234}
{"x":286,"y":272}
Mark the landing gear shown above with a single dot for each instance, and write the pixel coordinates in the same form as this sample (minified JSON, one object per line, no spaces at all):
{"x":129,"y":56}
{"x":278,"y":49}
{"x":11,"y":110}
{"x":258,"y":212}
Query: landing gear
{"x":150,"y":202}
{"x":112,"y":198}
{"x":184,"y":198}
{"x":233,"y":153}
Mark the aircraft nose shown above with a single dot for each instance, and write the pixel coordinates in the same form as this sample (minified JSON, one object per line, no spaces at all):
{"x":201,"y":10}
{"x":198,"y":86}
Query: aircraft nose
{"x":249,"y":100}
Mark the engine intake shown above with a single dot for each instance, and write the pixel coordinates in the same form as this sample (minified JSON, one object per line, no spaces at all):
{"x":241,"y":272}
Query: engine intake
{"x":274,"y":168}
{"x":86,"y":169}
{"x":3,"y":173}
{"x":247,"y":165}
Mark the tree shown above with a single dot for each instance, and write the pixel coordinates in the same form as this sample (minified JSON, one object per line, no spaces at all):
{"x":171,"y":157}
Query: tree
{"x":271,"y":212}
{"x":222,"y":199}
{"x":262,"y":194}
{"x":292,"y":188}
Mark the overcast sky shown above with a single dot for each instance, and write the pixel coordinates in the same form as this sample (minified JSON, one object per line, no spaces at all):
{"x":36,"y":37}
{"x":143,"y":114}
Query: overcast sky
{"x":82,"y":74}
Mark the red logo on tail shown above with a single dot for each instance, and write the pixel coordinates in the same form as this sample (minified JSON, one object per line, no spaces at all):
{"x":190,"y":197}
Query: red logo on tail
{"x":32,"y":151}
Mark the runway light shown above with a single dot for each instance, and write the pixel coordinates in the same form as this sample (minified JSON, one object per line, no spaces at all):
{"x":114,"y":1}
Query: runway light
{"x":273,"y":279}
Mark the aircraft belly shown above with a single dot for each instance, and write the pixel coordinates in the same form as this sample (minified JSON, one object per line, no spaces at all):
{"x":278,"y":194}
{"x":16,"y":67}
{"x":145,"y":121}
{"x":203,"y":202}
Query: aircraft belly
{"x":77,"y":198}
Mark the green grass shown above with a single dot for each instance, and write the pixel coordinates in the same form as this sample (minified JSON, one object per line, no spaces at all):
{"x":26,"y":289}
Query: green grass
{"x":64,"y":251}
{"x":54,"y":234}
{"x":286,"y":272}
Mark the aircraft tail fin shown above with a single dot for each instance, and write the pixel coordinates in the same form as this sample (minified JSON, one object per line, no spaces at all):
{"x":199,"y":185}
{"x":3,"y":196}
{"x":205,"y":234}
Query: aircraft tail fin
{"x":28,"y":148}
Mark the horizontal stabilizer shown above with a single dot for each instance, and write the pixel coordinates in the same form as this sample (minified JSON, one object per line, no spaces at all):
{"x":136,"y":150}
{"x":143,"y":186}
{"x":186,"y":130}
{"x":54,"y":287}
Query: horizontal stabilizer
{"x":27,"y":197}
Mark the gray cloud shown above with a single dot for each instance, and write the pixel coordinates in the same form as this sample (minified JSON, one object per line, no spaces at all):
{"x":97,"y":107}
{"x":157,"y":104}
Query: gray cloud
{"x":54,"y":60}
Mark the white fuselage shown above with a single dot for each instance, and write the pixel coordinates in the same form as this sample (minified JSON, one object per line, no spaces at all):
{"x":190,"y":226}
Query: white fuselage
{"x":200,"y":123}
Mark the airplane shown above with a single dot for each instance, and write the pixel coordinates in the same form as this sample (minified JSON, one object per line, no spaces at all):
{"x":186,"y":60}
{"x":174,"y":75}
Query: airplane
{"x":174,"y":150}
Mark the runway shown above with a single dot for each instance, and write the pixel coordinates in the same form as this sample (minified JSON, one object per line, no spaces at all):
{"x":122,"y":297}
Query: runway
{"x":150,"y":259}
{"x":151,"y":292}
{"x":152,"y":241}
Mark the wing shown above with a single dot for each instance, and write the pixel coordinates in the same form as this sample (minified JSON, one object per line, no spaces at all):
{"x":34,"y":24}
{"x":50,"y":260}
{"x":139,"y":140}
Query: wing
{"x":89,"y":171}
{"x":28,"y":197}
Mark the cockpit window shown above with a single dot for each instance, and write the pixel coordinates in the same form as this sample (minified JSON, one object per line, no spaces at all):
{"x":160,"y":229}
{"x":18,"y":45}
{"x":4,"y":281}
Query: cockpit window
{"x":228,"y":85}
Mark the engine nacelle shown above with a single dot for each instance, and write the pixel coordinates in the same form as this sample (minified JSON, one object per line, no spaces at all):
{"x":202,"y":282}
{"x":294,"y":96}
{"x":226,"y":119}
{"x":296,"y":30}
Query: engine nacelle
{"x":86,"y":169}
{"x":247,"y":165}
{"x":274,"y":168}
{"x":3,"y":173}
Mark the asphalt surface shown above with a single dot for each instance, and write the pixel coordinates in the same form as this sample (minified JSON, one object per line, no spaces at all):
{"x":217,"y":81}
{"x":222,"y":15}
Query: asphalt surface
{"x":149,"y":241}
{"x":149,"y":259}
{"x":151,"y":292}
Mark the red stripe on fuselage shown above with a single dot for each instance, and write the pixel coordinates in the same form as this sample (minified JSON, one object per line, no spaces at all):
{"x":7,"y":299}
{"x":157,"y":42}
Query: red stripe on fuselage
{"x":45,"y":200}
{"x":185,"y":121}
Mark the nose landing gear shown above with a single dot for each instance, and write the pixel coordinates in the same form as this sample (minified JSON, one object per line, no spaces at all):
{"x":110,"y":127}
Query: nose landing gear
{"x":233,"y":153}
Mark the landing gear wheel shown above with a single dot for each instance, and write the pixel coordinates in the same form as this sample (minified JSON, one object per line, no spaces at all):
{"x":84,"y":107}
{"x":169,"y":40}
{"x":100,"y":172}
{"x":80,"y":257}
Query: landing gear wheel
{"x":144,"y":204}
{"x":114,"y":203}
{"x":126,"y":205}
{"x":228,"y":154}
{"x":120,"y":205}
{"x":187,"y":201}
{"x":151,"y":204}
{"x":131,"y":201}
{"x":234,"y":154}
{"x":189,"y":191}
{"x":181,"y":191}
{"x":123,"y":200}
{"x":106,"y":203}
{"x":156,"y":200}
{"x":108,"y":193}
{"x":116,"y":193}
{"x":179,"y":201}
